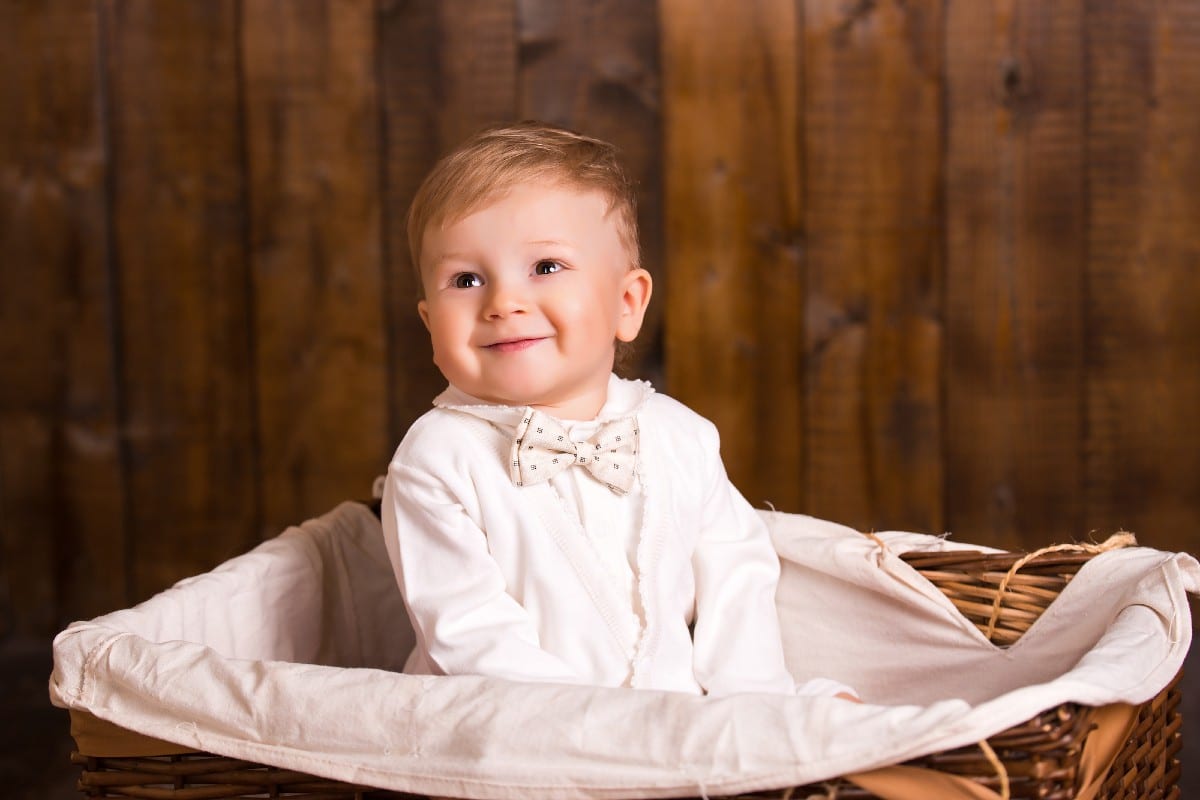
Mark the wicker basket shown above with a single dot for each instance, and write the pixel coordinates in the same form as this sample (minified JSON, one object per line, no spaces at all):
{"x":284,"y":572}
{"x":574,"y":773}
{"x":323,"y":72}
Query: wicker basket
{"x":1001,"y":593}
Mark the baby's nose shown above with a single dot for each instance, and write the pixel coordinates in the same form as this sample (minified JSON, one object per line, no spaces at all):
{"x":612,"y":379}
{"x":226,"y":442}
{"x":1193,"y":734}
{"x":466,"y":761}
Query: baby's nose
{"x":504,"y":299}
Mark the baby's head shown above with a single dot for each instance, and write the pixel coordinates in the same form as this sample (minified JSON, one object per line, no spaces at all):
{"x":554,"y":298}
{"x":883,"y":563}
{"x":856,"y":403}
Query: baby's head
{"x":493,"y":161}
{"x":525,"y":240}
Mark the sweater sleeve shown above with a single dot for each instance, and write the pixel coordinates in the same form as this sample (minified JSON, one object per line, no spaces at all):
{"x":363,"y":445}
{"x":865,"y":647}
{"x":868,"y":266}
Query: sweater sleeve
{"x":465,"y":620}
{"x":736,"y":639}
{"x":737,"y":642}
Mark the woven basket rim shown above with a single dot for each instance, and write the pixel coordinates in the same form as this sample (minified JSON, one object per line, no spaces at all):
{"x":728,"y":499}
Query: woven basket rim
{"x":1040,"y":757}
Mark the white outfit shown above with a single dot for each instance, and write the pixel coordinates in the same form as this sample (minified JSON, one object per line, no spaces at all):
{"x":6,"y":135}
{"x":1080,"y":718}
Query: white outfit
{"x":671,"y":586}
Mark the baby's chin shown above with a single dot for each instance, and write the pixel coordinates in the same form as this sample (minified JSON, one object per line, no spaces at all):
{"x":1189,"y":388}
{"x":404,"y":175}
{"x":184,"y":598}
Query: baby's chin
{"x":567,"y":400}
{"x":496,"y":396}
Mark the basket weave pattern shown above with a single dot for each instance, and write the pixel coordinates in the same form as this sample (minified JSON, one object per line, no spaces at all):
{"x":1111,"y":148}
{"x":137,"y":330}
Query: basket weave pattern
{"x":1039,"y":759}
{"x":1148,"y":768}
{"x":202,"y":776}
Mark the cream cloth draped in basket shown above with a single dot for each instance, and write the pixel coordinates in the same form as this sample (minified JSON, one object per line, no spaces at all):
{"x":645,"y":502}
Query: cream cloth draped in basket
{"x":289,"y":655}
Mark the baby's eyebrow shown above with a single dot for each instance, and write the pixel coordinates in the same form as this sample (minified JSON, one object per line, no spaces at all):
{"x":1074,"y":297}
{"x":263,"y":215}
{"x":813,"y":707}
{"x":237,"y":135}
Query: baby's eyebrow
{"x":444,"y":257}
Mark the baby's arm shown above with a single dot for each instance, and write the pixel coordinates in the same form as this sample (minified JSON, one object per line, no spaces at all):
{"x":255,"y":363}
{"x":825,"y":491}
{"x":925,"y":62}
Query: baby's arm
{"x":464,"y":618}
{"x":737,"y":640}
{"x":738,"y":647}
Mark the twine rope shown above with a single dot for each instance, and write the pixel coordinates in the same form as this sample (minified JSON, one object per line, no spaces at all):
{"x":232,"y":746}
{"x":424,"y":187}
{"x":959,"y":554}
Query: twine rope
{"x":998,"y":765}
{"x":1114,"y":542}
{"x":874,"y":538}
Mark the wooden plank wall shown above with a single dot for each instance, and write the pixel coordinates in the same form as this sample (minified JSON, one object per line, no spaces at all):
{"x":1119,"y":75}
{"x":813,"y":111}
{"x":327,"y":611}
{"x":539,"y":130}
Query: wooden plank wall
{"x":1015,"y":255}
{"x":929,"y":265}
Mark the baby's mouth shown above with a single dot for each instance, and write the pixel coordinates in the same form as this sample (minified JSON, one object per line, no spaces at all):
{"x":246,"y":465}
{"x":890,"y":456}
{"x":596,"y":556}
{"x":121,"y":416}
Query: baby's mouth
{"x":514,"y":345}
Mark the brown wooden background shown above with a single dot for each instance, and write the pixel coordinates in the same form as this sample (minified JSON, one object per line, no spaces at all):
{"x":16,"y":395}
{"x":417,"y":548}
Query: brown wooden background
{"x":930,"y":264}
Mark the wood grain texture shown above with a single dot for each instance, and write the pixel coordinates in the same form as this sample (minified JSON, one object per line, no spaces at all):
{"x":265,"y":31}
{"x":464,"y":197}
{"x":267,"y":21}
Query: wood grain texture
{"x":593,"y":66}
{"x":1015,"y":217}
{"x":446,"y":69}
{"x":61,"y":486}
{"x":734,"y":328}
{"x":873,"y":204}
{"x":987,"y":323}
{"x":179,"y":247}
{"x":407,"y":71}
{"x":476,"y":67}
{"x":1143,"y":301}
{"x":312,"y":165}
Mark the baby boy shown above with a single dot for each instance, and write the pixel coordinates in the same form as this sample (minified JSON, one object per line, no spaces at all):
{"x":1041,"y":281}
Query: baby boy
{"x":547,"y":520}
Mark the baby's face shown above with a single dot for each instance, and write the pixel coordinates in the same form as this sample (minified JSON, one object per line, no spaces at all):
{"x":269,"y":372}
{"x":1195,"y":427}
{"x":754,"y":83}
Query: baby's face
{"x":525,"y":298}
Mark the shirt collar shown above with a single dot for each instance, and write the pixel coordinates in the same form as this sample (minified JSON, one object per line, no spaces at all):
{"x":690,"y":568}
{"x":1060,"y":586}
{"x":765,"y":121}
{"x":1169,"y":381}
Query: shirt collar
{"x":625,"y":397}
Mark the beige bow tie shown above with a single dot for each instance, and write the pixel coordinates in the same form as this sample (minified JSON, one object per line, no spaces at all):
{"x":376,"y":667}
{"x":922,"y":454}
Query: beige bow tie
{"x":542,"y":448}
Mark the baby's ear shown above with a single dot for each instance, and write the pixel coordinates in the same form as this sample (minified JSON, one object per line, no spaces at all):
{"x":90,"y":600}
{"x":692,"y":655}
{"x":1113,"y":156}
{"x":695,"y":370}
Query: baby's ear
{"x":423,"y":311}
{"x":636,"y":288}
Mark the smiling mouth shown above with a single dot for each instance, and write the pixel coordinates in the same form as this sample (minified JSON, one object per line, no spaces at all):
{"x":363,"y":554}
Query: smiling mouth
{"x":514,"y":345}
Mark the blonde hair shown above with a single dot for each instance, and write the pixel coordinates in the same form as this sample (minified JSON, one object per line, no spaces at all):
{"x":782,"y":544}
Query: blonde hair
{"x":496,"y":159}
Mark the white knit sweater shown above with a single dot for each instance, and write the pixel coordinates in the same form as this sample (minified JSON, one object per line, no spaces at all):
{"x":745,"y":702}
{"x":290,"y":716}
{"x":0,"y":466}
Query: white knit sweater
{"x":522,"y":582}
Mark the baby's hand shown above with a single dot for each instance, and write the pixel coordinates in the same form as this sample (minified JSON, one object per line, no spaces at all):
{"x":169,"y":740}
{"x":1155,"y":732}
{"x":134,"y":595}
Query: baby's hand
{"x":848,"y":696}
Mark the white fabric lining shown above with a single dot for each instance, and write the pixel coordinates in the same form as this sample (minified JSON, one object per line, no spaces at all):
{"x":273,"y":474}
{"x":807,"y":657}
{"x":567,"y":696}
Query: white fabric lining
{"x":193,"y":666}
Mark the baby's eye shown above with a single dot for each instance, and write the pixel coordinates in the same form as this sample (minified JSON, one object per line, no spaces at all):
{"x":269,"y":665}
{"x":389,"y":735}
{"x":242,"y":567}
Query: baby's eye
{"x":546,"y":267}
{"x":467,"y":280}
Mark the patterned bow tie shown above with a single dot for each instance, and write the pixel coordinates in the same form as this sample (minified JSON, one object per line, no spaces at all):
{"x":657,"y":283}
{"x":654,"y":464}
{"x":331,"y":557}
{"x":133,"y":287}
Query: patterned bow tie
{"x":542,"y":448}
